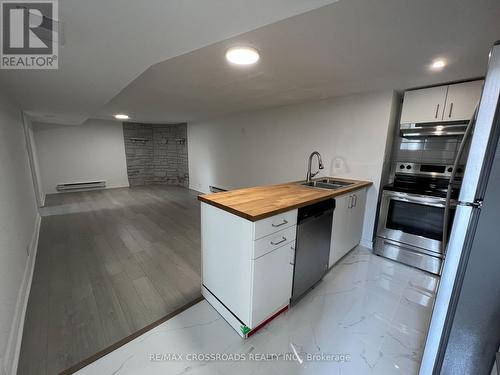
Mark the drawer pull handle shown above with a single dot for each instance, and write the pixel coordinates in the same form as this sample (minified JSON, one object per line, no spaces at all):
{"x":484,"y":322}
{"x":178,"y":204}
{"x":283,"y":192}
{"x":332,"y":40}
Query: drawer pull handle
{"x":280,"y":224}
{"x":283,"y":239}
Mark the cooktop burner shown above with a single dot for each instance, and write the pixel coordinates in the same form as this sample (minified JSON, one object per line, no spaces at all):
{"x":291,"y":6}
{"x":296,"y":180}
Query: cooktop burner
{"x":424,"y":180}
{"x":422,"y":190}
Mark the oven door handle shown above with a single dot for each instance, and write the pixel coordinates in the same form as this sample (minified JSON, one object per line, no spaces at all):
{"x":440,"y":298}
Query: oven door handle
{"x":419,"y":201}
{"x":427,"y":201}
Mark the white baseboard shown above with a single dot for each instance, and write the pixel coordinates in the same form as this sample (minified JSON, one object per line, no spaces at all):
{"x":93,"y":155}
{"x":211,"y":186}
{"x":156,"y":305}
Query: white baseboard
{"x":366,"y":243}
{"x":11,"y":358}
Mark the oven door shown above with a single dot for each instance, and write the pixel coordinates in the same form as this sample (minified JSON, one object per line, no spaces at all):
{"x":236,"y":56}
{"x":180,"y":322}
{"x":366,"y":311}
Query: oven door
{"x":413,"y":219}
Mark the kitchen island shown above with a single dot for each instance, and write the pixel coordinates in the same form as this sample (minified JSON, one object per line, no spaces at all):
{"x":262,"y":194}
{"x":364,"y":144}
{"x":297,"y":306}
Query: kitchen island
{"x":248,"y":245}
{"x":260,"y":202}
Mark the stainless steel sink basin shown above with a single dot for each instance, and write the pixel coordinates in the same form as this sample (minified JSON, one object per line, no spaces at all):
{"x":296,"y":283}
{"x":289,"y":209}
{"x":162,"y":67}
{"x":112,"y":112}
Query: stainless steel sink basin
{"x":327,"y":183}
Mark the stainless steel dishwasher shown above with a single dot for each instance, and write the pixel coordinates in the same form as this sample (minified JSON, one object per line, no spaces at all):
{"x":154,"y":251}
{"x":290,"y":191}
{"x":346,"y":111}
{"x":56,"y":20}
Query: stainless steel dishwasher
{"x":312,"y":247}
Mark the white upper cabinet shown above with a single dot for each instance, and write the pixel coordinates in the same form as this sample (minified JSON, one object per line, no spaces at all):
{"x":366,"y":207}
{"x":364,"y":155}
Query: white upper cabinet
{"x":426,"y":105}
{"x":442,"y":103}
{"x":461,"y":100}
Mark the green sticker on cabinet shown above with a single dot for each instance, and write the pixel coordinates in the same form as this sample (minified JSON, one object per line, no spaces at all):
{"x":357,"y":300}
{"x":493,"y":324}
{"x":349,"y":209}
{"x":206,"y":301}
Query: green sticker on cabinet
{"x":245,"y":330}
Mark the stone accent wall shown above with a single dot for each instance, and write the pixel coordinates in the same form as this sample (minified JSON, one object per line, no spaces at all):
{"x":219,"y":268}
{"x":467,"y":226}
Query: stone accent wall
{"x":156,"y":154}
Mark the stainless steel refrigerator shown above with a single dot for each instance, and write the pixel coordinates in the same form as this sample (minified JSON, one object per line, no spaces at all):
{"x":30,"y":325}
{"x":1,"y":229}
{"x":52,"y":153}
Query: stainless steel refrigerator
{"x":464,"y":333}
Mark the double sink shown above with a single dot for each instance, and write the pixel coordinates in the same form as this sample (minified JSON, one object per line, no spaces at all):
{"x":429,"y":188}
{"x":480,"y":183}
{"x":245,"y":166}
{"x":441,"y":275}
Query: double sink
{"x":327,"y":183}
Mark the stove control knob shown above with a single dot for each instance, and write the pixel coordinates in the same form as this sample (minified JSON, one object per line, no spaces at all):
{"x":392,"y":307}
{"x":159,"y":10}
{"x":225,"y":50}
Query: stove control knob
{"x":402,"y":166}
{"x":450,"y":169}
{"x":408,"y":167}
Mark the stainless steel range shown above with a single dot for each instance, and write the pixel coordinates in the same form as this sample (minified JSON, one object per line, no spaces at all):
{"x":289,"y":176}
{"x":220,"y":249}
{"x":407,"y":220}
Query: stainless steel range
{"x":412,"y":211}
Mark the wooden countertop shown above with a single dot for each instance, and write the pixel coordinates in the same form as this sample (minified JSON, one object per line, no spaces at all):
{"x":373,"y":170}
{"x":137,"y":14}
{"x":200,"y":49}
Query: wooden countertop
{"x":259,"y":202}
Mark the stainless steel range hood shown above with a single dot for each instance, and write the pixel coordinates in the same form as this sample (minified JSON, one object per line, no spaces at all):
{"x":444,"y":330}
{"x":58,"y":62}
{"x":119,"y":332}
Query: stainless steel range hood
{"x":441,"y":129}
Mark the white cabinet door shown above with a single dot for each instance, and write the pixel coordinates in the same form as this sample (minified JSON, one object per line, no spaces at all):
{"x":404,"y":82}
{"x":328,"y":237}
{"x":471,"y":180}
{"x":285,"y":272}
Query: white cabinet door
{"x":357,"y":216}
{"x":272,"y":283}
{"x":227,"y":249}
{"x":461,"y":100}
{"x":426,"y":105}
{"x":341,"y":231}
{"x":347,"y":224}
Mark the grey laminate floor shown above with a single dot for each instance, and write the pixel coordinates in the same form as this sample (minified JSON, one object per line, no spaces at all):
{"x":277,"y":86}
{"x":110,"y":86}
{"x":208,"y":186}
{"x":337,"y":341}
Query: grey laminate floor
{"x":109,"y":262}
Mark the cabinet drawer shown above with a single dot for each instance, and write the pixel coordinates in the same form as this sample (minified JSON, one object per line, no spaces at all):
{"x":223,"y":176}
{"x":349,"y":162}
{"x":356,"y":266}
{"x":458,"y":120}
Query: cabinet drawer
{"x":274,"y":223}
{"x":267,"y":244}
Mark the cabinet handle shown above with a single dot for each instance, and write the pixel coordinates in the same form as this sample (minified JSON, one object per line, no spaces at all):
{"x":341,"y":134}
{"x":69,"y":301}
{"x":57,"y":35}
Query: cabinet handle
{"x":280,"y":224}
{"x":351,"y":201}
{"x":437,"y":110}
{"x":292,"y":256}
{"x":283,"y":239}
{"x":451,"y":109}
{"x":355,"y":202}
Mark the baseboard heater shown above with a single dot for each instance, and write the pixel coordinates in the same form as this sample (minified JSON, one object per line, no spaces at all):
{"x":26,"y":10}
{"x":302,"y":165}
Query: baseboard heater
{"x":215,"y":189}
{"x":80,"y":186}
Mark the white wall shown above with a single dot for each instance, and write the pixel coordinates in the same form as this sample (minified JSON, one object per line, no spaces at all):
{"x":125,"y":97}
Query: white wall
{"x":272,"y":145}
{"x":93,"y":151}
{"x":19,"y":221}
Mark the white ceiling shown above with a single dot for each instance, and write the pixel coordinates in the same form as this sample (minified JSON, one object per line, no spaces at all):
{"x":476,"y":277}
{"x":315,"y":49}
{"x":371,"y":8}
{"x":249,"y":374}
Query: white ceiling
{"x":350,"y":46}
{"x":109,"y":43}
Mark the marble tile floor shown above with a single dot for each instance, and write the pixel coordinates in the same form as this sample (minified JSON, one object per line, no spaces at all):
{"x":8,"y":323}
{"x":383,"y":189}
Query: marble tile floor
{"x":369,"y":315}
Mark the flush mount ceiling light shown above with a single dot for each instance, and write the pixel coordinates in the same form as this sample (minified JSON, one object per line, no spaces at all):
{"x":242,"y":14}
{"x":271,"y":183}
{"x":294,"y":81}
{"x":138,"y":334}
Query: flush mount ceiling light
{"x":121,"y":116}
{"x":438,"y":64}
{"x":242,"y":55}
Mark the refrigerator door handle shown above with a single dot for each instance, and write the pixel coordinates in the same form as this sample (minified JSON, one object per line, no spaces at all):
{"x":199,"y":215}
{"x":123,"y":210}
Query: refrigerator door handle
{"x":476,"y":204}
{"x":446,"y":216}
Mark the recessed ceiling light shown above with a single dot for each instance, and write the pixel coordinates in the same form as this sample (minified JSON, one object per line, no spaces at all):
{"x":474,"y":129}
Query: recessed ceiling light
{"x":438,"y":64}
{"x":121,"y":116}
{"x":242,"y":55}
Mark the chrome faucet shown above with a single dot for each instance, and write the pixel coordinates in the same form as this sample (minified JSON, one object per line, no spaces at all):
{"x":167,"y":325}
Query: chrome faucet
{"x":310,"y":175}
